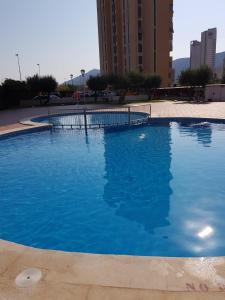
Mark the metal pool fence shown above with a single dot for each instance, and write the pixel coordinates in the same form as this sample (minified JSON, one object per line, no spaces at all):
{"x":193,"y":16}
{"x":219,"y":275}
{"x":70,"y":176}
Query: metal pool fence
{"x":98,"y":117}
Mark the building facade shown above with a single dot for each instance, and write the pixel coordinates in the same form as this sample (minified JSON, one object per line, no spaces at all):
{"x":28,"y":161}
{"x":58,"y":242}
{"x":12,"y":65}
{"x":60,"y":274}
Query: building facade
{"x":136,"y":36}
{"x":195,"y":58}
{"x":204,"y":53}
{"x":208,"y":47}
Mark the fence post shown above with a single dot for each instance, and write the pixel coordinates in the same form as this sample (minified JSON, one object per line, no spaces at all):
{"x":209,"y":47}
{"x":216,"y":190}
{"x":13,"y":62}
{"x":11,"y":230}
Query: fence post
{"x":129,"y":115}
{"x":85,"y":121}
{"x":48,"y":115}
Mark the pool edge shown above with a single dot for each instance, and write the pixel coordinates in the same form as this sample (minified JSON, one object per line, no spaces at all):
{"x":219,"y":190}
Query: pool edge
{"x":129,"y":272}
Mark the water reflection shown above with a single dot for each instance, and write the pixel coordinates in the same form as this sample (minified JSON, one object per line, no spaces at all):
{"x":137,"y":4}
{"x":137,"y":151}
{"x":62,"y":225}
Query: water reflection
{"x":135,"y":192}
{"x":206,"y":232}
{"x":201,"y":130}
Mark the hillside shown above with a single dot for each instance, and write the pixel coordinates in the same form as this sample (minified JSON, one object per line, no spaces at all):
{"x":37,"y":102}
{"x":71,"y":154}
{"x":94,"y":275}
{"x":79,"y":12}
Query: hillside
{"x":181,"y":64}
{"x":79,"y":80}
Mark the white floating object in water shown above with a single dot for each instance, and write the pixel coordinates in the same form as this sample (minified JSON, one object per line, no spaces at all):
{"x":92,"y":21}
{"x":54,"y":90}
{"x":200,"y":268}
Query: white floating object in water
{"x":201,"y":124}
{"x":142,"y":136}
{"x":28,"y":277}
{"x":206,"y":232}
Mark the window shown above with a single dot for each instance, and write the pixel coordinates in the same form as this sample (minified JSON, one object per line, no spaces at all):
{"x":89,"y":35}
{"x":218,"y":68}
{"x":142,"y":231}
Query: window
{"x":140,"y":60}
{"x":139,"y":47}
{"x":139,"y":12}
{"x":139,"y":24}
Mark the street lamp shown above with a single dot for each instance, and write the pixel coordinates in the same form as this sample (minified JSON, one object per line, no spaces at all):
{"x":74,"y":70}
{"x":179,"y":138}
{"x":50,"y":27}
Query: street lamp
{"x":71,"y":77}
{"x":39,"y":69}
{"x":83,"y":74}
{"x":18,"y":60}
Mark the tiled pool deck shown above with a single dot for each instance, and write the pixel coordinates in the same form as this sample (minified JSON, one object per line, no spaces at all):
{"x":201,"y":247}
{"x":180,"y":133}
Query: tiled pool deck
{"x":95,"y":277}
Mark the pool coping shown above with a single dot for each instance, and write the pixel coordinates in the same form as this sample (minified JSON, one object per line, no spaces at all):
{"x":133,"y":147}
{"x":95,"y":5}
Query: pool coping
{"x":29,"y":126}
{"x":120,"y":271}
{"x":190,"y":275}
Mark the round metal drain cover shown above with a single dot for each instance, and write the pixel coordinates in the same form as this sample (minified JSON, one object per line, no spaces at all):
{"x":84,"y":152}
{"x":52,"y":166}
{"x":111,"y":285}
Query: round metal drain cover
{"x":28,"y":277}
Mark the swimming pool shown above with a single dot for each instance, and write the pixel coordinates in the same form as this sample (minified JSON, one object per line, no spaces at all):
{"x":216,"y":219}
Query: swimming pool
{"x":154,"y":190}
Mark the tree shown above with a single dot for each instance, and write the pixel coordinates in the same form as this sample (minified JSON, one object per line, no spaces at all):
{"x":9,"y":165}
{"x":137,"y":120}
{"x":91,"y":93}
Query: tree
{"x":203,"y":76}
{"x":136,"y":80}
{"x":122,"y":86}
{"x":66,"y":90}
{"x":48,"y":84}
{"x":96,"y":84}
{"x":223,"y":77}
{"x":12,"y":91}
{"x":187,"y":78}
{"x":152,"y":82}
{"x":113,"y":80}
{"x":1,"y":99}
{"x":34,"y":84}
{"x":44,"y":85}
{"x":198,"y":77}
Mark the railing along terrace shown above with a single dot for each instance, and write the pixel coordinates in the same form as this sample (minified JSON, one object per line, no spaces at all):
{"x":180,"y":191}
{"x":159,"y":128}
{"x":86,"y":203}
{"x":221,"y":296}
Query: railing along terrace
{"x":99,"y":117}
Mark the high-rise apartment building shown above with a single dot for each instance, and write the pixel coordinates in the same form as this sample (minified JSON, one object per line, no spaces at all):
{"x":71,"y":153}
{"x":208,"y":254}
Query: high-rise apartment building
{"x":195,"y":60}
{"x":136,"y":36}
{"x":208,"y":47}
{"x":204,"y":52}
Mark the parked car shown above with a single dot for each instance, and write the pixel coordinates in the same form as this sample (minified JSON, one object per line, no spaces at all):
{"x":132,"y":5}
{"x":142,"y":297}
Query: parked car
{"x":46,"y":97}
{"x":55,"y":94}
{"x":40,"y":97}
{"x":87,"y":94}
{"x":54,"y":97}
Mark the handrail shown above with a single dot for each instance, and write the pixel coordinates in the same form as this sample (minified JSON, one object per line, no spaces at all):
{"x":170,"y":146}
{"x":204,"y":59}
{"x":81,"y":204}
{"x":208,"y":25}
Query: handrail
{"x":99,"y":116}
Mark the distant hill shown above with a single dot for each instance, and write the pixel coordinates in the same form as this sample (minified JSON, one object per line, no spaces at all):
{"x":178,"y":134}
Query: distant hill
{"x":181,"y":64}
{"x":219,"y":59}
{"x":79,"y":80}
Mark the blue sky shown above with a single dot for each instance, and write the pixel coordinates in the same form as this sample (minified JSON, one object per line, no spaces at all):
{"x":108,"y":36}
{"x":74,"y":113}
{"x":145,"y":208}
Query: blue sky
{"x":62,"y":35}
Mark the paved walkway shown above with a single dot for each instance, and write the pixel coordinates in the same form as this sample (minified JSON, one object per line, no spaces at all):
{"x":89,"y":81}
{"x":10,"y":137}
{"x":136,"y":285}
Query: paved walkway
{"x":183,"y":109}
{"x":93,"y":277}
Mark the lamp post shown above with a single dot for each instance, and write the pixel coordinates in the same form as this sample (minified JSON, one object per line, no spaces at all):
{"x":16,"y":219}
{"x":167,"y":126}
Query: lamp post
{"x":71,"y":77}
{"x":18,"y":60}
{"x":83,"y":74}
{"x":39,"y":70}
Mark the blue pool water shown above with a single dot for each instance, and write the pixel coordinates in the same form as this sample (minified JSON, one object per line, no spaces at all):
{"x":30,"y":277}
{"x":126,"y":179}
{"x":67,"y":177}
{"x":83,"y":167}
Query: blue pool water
{"x":154,"y":190}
